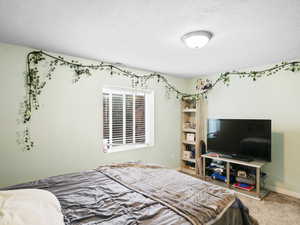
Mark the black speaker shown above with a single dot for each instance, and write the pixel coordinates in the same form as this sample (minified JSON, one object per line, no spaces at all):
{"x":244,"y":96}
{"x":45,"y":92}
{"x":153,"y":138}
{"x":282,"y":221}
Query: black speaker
{"x":202,"y":147}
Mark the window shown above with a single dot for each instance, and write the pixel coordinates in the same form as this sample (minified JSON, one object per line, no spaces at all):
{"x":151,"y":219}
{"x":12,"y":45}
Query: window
{"x":127,"y":119}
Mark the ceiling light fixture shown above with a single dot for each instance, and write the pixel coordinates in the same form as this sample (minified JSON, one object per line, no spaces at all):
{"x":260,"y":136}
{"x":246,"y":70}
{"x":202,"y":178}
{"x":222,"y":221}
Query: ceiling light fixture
{"x":196,"y":39}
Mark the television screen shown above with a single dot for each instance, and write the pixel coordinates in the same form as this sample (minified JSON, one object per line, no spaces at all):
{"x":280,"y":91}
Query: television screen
{"x":240,"y":137}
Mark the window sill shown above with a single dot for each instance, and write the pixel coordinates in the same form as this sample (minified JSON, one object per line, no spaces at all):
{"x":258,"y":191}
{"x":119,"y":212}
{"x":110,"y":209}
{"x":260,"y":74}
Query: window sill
{"x":128,"y":148}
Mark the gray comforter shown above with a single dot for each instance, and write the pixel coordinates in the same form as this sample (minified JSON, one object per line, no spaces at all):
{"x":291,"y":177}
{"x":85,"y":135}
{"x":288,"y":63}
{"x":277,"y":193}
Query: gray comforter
{"x":138,"y":194}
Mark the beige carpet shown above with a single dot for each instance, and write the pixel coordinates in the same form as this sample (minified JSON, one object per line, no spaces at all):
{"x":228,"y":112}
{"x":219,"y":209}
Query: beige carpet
{"x":275,"y":209}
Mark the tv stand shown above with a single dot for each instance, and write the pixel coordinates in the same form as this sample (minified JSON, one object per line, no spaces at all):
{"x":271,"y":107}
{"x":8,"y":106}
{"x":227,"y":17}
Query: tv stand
{"x":238,"y":157}
{"x":258,"y":193}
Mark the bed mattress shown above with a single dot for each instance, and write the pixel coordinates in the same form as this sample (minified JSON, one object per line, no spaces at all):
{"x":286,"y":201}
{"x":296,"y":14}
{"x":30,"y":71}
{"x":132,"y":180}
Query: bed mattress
{"x":127,"y":194}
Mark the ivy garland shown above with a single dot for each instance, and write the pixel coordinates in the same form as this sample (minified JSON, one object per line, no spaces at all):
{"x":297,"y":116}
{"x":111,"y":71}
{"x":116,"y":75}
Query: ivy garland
{"x":35,"y":83}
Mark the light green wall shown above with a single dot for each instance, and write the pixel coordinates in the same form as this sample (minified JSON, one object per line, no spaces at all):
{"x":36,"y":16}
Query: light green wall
{"x":68,"y":127}
{"x":276,"y":98}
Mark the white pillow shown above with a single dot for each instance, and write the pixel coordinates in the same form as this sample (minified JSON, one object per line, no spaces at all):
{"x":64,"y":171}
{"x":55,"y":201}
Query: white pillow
{"x":29,"y":207}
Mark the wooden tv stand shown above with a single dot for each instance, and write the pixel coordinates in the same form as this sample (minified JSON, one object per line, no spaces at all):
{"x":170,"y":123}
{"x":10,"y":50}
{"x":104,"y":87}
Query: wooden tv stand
{"x":258,"y":193}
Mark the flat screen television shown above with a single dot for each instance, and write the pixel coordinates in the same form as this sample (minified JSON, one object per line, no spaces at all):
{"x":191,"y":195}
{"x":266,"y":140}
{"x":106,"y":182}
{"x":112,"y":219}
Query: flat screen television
{"x":240,"y":138}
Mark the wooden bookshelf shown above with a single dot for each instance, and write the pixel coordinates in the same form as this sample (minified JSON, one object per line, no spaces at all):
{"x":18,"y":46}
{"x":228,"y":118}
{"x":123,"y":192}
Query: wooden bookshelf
{"x":189,"y":130}
{"x":188,"y":171}
{"x":189,"y":142}
{"x":193,"y":125}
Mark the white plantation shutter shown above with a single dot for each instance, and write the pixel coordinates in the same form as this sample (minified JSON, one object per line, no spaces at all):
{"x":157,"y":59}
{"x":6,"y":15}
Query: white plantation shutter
{"x":106,"y":116}
{"x":140,"y":119}
{"x":129,"y":119}
{"x":124,"y":117}
{"x":117,"y":119}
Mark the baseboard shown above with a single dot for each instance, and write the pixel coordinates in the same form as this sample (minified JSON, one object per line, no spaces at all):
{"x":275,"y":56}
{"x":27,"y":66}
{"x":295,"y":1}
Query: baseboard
{"x":283,"y":191}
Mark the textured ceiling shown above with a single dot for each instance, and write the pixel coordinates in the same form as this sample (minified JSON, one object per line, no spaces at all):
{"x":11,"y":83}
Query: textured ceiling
{"x":146,"y":34}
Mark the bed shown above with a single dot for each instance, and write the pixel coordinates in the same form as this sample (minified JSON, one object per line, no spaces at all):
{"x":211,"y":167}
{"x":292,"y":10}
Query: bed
{"x":137,"y":193}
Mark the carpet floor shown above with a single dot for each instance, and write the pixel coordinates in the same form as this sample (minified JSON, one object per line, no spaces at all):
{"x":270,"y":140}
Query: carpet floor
{"x":274,"y":209}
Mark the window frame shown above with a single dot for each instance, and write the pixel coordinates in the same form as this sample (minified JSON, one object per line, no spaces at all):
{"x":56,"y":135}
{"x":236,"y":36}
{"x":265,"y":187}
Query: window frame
{"x":149,"y":118}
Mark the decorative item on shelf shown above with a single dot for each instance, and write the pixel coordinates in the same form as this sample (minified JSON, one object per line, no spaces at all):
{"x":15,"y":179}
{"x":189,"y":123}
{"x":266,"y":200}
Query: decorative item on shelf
{"x":189,"y":125}
{"x":218,"y":176}
{"x":219,"y":170}
{"x":191,"y":165}
{"x":246,"y":180}
{"x":218,"y":164}
{"x":190,"y":137}
{"x":190,"y":103}
{"x":217,"y":167}
{"x":242,"y":173}
{"x":186,"y":155}
{"x":191,"y":149}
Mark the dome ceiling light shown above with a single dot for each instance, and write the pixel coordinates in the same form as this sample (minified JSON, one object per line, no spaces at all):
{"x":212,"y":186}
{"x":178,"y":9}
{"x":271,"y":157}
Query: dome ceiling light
{"x":196,"y":39}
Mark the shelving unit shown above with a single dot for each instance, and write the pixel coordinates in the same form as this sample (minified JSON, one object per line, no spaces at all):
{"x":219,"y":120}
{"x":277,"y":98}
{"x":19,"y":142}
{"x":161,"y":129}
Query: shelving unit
{"x":189,"y":110}
{"x":189,"y":142}
{"x":189,"y":130}
{"x":188,"y":171}
{"x":192,"y":127}
{"x":258,"y":193}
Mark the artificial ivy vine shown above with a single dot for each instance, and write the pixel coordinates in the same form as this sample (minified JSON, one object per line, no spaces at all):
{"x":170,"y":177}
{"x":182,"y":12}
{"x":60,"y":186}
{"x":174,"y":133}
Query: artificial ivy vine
{"x":35,"y":82}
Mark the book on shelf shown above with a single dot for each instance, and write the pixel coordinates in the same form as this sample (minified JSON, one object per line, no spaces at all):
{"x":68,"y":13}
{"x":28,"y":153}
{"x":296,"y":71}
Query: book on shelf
{"x":243,"y":186}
